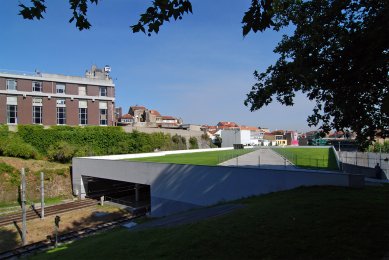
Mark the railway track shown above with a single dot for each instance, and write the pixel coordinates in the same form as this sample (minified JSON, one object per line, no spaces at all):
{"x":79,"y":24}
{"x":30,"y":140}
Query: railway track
{"x":49,"y":211}
{"x":46,"y":244}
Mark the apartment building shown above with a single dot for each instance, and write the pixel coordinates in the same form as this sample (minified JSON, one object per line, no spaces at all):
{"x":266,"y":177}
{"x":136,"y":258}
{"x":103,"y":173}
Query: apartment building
{"x":53,"y":99}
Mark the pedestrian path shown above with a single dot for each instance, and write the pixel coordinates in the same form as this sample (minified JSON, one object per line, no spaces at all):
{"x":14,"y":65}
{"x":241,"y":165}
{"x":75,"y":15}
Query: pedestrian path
{"x":264,"y":158}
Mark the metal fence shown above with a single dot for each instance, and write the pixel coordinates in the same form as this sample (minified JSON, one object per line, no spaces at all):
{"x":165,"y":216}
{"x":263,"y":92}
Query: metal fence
{"x":369,"y":160}
{"x":306,"y":161}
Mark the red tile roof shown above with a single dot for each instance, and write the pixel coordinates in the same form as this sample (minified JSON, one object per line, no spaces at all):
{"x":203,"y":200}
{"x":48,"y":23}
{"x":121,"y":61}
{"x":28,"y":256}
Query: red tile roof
{"x":227,"y":124}
{"x":155,"y":112}
{"x":137,"y":108}
{"x":168,"y":118}
{"x":251,"y":128}
{"x":127,"y":116}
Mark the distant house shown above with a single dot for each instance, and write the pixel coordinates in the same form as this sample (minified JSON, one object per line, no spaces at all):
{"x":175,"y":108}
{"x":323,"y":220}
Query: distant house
{"x":226,"y":125}
{"x":231,"y":136}
{"x":291,"y":138}
{"x":153,"y":116}
{"x":143,"y":117}
{"x":138,"y":113}
{"x":126,"y":119}
{"x":169,"y":122}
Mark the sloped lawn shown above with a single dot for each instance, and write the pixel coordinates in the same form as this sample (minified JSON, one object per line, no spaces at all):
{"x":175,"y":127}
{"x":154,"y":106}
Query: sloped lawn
{"x":305,"y":223}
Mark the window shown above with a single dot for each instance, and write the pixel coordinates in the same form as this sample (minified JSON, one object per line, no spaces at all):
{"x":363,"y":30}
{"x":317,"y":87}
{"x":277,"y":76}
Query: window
{"x":61,"y":115}
{"x":103,"y":116}
{"x":37,"y":110}
{"x":12,"y":110}
{"x":61,"y":111}
{"x":11,"y":84}
{"x":60,"y":88}
{"x":103,"y":106}
{"x":103,"y":91}
{"x":12,"y":114}
{"x":61,"y":102}
{"x":82,"y":90}
{"x":36,"y":86}
{"x":83,"y":112}
{"x":36,"y":115}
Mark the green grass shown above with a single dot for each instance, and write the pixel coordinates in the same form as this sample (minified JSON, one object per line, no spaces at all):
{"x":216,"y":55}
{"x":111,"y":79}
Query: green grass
{"x":48,"y":201}
{"x":305,"y":223}
{"x":200,"y":158}
{"x":312,"y":158}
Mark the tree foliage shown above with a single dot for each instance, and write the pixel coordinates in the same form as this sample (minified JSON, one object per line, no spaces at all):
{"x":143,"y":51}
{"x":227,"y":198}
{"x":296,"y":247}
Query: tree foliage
{"x":338,"y":57}
{"x":159,"y":12}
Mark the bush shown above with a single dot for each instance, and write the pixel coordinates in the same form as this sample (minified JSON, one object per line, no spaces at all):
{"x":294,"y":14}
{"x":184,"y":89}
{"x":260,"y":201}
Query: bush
{"x":61,"y":152}
{"x":13,"y":146}
{"x":6,"y":168}
{"x":379,"y":147}
{"x":193,"y":144}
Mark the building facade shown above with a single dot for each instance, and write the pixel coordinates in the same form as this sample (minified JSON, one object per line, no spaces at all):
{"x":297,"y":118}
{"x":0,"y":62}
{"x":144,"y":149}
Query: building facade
{"x":53,"y":99}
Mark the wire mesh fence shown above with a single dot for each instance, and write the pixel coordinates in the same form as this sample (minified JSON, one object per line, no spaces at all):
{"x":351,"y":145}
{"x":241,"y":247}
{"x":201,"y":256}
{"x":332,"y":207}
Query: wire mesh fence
{"x":312,"y":161}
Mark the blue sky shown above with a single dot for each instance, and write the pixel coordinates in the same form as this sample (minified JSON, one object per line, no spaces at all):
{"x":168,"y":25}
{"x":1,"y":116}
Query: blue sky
{"x":199,"y":68}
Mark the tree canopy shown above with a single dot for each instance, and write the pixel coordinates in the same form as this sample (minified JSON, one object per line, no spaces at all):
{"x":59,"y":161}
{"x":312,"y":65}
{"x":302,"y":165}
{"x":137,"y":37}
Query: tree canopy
{"x":337,"y":55}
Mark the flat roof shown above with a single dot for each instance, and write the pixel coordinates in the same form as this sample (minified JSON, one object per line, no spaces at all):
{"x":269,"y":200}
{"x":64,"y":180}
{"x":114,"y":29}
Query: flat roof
{"x":58,"y":78}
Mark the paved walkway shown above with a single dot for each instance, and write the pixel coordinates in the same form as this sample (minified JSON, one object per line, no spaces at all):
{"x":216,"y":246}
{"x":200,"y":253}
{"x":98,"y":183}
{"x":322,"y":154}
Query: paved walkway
{"x":188,"y":217}
{"x":264,"y":158}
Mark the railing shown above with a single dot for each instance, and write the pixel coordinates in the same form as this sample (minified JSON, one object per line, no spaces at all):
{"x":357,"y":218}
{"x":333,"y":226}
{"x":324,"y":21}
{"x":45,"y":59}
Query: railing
{"x":309,"y":162}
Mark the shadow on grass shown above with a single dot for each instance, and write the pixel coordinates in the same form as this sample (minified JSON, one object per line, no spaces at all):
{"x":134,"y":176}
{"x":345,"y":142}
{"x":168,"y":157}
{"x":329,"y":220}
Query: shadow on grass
{"x":8,"y":239}
{"x":95,"y":218}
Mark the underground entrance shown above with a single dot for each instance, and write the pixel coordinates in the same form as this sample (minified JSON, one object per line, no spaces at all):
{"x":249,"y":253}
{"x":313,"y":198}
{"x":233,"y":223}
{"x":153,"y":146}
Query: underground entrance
{"x":133,"y":195}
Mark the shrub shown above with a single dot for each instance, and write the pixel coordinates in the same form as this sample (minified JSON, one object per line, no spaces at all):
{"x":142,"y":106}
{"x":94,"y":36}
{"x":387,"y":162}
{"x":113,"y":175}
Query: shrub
{"x":205,"y":137}
{"x":61,"y":152}
{"x":16,"y":147}
{"x":6,"y":168}
{"x":193,"y":144}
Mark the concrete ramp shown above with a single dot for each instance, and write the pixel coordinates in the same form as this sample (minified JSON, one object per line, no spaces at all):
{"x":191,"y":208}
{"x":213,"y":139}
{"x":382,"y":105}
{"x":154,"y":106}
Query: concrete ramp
{"x":264,"y":158}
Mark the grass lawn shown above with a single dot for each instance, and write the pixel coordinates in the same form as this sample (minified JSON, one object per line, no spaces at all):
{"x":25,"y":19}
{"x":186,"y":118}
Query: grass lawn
{"x":306,"y":223}
{"x":201,"y":158}
{"x":312,"y":158}
{"x":48,"y":201}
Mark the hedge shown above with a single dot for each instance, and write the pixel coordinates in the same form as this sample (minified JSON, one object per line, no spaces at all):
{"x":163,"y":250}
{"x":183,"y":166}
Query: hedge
{"x":60,"y":142}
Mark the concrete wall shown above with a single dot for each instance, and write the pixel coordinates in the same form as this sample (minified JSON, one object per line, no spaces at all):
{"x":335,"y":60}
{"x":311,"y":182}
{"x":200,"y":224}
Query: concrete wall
{"x":230,"y":137}
{"x":363,"y":161}
{"x":186,"y":133}
{"x":180,"y":187}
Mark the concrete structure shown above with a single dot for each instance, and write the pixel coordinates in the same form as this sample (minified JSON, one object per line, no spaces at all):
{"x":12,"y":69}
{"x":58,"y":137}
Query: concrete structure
{"x":264,"y":158}
{"x":241,"y":136}
{"x":175,"y":188}
{"x":53,"y":99}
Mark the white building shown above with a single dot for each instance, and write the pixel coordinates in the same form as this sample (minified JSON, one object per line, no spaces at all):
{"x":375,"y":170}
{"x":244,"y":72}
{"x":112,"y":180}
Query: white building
{"x":239,"y":136}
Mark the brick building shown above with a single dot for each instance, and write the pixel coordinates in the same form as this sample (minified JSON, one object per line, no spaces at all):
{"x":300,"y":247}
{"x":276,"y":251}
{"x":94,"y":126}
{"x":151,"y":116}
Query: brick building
{"x":52,"y":99}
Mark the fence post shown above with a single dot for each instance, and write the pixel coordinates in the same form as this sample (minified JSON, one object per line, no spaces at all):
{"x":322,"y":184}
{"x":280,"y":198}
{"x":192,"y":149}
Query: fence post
{"x":42,"y":196}
{"x":23,"y":200}
{"x":356,"y":158}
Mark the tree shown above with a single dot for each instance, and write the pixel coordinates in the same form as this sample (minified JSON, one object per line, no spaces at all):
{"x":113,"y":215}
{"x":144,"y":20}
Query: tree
{"x":159,"y":12}
{"x":337,"y":55}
